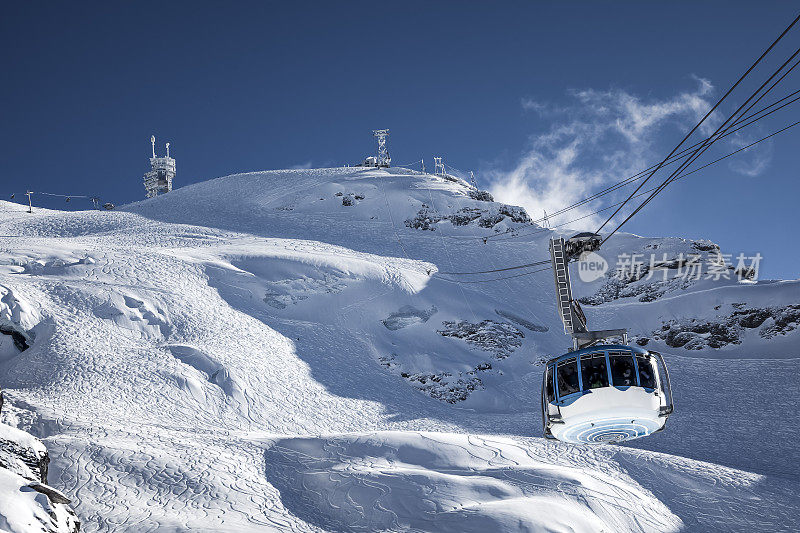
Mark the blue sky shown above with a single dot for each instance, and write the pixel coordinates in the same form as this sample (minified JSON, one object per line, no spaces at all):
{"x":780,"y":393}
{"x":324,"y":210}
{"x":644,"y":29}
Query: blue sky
{"x":546,"y":101}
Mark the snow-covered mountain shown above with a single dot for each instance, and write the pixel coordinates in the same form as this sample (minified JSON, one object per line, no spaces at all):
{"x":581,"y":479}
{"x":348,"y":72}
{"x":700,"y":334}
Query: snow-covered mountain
{"x":294,"y":350}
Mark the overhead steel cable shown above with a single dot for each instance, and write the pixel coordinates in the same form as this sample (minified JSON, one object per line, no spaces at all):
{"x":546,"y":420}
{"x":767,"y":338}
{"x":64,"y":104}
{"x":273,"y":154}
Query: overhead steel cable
{"x":741,"y":123}
{"x":773,"y":134}
{"x":54,"y":194}
{"x":704,"y":145}
{"x":63,"y":195}
{"x":708,"y":114}
{"x":542,"y":230}
{"x":456,"y":169}
{"x":769,"y":90}
{"x":537,"y":263}
{"x":683,"y":153}
{"x":737,"y":125}
{"x":662,"y":186}
{"x":450,"y":258}
{"x":682,"y":176}
{"x":413,"y":164}
{"x":497,"y":279}
{"x":697,"y":153}
{"x":762,"y":96}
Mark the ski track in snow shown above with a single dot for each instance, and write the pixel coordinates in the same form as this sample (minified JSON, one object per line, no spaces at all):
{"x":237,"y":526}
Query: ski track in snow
{"x":175,"y":393}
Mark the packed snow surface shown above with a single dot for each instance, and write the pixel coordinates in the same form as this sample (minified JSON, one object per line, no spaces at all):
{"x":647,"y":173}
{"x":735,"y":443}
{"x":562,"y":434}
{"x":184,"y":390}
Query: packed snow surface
{"x":289,"y":350}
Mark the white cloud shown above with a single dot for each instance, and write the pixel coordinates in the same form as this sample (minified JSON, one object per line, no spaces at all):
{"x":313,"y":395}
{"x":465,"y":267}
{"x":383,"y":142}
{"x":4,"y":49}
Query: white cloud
{"x":751,"y":162}
{"x":529,"y":104}
{"x":600,"y":138}
{"x":302,"y":166}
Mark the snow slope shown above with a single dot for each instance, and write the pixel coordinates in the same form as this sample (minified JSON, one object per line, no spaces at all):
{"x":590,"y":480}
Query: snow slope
{"x":251,"y":353}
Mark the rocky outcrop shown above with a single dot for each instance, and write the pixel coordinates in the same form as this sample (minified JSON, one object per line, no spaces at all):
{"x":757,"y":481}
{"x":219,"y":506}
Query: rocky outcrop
{"x":499,"y":338}
{"x":481,"y":196}
{"x":21,"y":339}
{"x":350,"y":199}
{"x":407,"y":316}
{"x":27,"y":502}
{"x":648,"y":282}
{"x":704,"y":245}
{"x":427,"y":218}
{"x":449,"y":387}
{"x":17,"y":318}
{"x":17,"y":446}
{"x":489,"y":220}
{"x":694,"y":334}
{"x":516,"y":214}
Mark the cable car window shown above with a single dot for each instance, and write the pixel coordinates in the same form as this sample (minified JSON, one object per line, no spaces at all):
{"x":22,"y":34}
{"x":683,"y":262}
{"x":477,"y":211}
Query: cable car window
{"x":647,"y":374}
{"x":549,"y":385}
{"x":567,"y":375}
{"x":593,"y":371}
{"x":622,"y":369}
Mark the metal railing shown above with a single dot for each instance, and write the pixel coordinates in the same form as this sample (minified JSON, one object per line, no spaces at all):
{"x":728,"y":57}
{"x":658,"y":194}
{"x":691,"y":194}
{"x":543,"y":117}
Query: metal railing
{"x":666,"y":386}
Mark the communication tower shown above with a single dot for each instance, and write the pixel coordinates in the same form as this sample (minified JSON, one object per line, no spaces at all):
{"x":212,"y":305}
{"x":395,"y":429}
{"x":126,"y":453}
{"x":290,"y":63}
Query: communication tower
{"x":383,"y":151}
{"x":438,"y":166}
{"x":162,"y":171}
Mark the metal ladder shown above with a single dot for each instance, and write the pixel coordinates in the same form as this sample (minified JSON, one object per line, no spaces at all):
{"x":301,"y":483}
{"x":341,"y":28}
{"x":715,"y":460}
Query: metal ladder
{"x":563,"y":285}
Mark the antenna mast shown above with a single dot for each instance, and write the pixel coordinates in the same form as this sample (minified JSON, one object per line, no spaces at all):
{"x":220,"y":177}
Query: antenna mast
{"x":438,"y":166}
{"x":383,"y":151}
{"x":162,"y":172}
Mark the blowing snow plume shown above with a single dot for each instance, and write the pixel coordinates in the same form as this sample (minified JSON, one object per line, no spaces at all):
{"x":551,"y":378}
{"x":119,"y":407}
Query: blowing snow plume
{"x":600,"y":138}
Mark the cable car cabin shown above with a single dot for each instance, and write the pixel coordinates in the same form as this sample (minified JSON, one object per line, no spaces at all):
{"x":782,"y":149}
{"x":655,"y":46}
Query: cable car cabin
{"x":605,"y":393}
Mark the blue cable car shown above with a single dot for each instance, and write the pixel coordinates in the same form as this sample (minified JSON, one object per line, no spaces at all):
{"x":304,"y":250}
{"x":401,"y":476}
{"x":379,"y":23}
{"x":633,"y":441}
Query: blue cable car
{"x":599,"y":392}
{"x":605,"y":393}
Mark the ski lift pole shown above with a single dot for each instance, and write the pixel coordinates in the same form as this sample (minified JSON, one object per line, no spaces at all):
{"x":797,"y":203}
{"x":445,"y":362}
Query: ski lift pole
{"x":30,"y":206}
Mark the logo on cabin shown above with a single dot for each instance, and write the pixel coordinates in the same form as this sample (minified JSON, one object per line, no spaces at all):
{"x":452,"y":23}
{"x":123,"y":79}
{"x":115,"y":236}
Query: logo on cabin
{"x":591,"y":267}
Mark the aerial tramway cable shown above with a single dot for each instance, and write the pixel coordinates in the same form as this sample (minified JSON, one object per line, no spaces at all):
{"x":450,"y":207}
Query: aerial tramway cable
{"x":683,"y":153}
{"x":737,"y":125}
{"x":542,"y":230}
{"x":710,"y":111}
{"x":697,"y":153}
{"x":681,"y":176}
{"x":497,"y":279}
{"x":537,"y":263}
